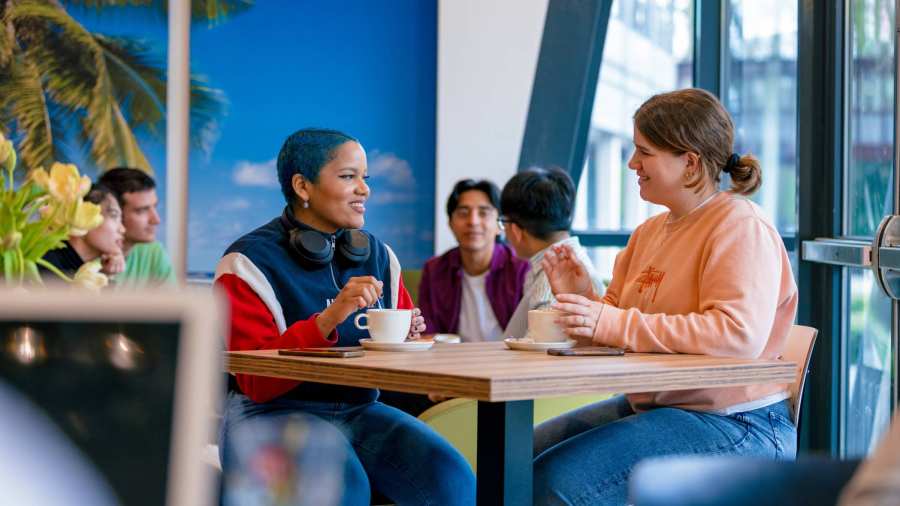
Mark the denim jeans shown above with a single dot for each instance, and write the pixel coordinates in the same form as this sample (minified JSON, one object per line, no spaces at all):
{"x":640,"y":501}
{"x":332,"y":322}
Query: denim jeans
{"x":374,"y":445}
{"x":585,"y":457}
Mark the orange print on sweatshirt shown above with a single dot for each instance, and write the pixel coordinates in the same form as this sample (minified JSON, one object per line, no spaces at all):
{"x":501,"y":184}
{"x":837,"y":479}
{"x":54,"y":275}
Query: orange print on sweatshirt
{"x":650,"y":278}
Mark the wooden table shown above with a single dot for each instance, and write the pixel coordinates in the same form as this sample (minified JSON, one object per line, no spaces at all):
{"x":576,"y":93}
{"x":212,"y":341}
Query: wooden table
{"x":505,"y":383}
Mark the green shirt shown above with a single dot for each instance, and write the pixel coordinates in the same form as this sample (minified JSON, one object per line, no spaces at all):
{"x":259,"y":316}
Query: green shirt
{"x":147,"y":264}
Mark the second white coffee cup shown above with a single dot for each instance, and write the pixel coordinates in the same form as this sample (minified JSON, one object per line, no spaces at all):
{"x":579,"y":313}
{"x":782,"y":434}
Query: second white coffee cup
{"x":387,"y":325}
{"x":542,"y":326}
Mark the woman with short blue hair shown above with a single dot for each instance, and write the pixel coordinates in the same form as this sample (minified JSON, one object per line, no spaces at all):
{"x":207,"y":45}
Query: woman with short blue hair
{"x":297,"y":281}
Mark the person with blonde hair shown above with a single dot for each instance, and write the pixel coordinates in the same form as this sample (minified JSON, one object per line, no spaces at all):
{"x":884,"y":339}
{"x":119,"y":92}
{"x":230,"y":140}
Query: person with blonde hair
{"x":710,"y":276}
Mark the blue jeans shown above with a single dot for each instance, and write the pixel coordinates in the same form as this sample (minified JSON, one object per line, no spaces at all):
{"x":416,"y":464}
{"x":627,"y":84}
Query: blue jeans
{"x":375,"y":444}
{"x":585,"y":457}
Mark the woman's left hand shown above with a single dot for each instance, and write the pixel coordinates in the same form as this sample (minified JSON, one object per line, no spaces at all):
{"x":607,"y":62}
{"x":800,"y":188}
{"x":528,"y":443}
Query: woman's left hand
{"x":582,"y":314}
{"x":416,"y":325}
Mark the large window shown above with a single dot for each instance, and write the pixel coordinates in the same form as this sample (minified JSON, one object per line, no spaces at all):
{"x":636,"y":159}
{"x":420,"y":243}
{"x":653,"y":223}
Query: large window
{"x":760,"y":92}
{"x":869,"y":115}
{"x":648,"y":50}
{"x":869,"y":100}
{"x":866,"y":363}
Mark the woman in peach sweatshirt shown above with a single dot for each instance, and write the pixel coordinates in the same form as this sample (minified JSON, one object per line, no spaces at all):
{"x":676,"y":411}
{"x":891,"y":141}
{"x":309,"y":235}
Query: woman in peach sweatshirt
{"x":710,"y":276}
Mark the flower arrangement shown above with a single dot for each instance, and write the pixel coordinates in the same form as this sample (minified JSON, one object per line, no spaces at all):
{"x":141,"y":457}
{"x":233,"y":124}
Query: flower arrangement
{"x":39,"y":215}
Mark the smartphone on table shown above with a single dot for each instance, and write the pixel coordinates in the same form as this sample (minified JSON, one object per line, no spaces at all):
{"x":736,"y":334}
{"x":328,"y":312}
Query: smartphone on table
{"x":587,"y":351}
{"x":333,"y":352}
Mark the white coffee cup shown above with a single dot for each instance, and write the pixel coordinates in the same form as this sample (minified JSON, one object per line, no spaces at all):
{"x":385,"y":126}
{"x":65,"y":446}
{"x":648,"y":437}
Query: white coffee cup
{"x":542,"y":327}
{"x":386,"y":325}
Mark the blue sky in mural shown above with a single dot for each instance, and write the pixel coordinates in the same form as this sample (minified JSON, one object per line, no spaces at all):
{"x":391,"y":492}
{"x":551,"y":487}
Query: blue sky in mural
{"x":367,"y":68}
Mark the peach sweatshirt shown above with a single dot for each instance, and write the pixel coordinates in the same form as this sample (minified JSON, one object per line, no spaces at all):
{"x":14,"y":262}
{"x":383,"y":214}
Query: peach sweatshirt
{"x":716,"y":282}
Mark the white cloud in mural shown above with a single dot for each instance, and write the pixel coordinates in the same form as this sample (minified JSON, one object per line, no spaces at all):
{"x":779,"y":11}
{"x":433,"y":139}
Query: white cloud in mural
{"x":391,"y":167}
{"x":234,"y":204}
{"x":248,"y":173}
{"x":392,"y":197}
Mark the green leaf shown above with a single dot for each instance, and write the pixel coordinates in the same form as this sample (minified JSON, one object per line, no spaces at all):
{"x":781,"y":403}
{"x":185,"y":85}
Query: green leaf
{"x":43,"y":244}
{"x":52,"y":268}
{"x":32,"y":272}
{"x":8,"y":266}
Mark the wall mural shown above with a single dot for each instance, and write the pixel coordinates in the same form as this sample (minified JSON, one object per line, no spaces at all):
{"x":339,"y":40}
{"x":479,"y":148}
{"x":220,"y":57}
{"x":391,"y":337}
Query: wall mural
{"x":267,"y":69}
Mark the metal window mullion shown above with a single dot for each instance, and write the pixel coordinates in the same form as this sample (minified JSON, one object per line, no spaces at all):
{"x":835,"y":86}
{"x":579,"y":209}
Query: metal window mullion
{"x":710,"y":23}
{"x":820,"y":153}
{"x":178,"y":103}
{"x":895,"y":305}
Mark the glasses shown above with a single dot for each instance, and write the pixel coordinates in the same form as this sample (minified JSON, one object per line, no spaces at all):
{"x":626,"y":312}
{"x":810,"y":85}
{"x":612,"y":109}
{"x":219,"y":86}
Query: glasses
{"x":504,"y":221}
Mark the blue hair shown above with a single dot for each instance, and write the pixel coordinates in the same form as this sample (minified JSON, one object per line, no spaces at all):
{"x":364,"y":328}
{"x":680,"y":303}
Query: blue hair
{"x":305,"y":152}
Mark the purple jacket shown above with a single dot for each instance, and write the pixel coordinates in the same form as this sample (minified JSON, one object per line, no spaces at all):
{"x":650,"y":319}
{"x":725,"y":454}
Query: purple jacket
{"x":440,"y":291}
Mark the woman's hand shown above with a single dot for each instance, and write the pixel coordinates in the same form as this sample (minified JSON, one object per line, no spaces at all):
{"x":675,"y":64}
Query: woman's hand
{"x":566,"y":273}
{"x":436,"y":398}
{"x":359,"y":292}
{"x":416,"y":325}
{"x":582,"y":314}
{"x":112,"y":264}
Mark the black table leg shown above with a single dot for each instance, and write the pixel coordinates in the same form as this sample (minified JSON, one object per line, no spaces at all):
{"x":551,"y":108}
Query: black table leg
{"x":505,"y":447}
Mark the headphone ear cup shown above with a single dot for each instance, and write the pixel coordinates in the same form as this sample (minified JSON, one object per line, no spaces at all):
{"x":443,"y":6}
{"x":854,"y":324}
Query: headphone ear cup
{"x":311,"y":247}
{"x":354,"y":246}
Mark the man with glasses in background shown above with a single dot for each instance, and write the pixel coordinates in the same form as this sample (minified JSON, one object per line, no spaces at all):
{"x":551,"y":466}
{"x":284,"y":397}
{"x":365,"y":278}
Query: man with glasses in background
{"x":537,"y":207}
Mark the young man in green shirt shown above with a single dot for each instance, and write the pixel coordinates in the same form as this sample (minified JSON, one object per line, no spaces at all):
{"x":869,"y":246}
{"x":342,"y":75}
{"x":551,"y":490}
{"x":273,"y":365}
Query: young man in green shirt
{"x":146,"y":261}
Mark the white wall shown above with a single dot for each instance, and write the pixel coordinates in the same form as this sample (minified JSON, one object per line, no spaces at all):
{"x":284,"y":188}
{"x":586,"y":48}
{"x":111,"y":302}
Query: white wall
{"x":487,"y":55}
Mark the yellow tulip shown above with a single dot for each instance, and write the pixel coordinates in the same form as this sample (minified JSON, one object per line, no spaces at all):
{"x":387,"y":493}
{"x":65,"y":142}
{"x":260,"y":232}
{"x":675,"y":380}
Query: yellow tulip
{"x":6,"y":149}
{"x":41,"y":178}
{"x":11,"y":158}
{"x":49,"y":210}
{"x":66,"y":184}
{"x":87,"y":216}
{"x":89,"y":276}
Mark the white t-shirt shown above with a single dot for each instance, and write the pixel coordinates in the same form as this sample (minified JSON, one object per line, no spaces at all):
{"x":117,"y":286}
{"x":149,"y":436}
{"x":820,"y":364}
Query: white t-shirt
{"x":476,"y":317}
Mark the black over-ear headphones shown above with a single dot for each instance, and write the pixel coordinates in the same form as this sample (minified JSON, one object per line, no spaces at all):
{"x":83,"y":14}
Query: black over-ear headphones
{"x":314,"y":248}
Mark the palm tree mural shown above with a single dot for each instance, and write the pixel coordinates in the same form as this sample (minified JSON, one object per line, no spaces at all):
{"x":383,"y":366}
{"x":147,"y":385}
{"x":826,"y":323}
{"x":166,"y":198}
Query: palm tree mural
{"x":62,"y":85}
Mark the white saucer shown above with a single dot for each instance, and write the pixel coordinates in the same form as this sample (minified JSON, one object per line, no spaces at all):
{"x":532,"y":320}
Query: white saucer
{"x":447,"y":338}
{"x":370,"y":344}
{"x":529,"y":345}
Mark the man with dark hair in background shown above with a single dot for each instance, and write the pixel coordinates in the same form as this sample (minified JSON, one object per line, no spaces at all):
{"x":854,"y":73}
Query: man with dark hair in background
{"x":536,"y":207}
{"x":146,"y":261}
{"x":474,"y":288}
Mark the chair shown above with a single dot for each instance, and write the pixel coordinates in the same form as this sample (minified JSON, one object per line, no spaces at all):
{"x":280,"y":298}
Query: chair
{"x":801,"y":341}
{"x":456,"y":419}
{"x":721,"y":480}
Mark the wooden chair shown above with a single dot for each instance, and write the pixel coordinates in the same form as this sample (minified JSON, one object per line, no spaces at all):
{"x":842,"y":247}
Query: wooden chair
{"x":801,"y":341}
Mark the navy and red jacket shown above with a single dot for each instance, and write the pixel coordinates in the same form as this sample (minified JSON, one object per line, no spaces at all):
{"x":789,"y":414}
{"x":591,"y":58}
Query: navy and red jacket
{"x":275,"y":299}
